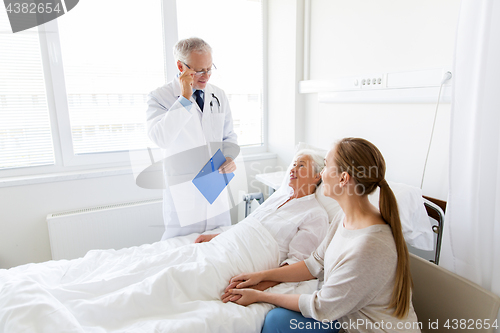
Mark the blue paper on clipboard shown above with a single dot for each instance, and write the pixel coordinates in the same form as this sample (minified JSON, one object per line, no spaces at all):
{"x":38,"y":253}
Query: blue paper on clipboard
{"x":209,"y":181}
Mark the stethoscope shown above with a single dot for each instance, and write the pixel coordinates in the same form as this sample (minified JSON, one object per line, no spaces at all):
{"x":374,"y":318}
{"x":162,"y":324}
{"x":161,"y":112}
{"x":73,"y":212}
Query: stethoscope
{"x":212,"y":103}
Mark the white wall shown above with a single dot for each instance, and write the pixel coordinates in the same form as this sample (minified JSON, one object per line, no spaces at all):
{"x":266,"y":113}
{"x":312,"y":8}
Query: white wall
{"x":23,"y":228}
{"x":364,"y":36}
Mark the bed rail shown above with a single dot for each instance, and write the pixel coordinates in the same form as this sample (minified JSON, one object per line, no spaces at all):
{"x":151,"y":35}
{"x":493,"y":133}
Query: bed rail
{"x":435,"y":209}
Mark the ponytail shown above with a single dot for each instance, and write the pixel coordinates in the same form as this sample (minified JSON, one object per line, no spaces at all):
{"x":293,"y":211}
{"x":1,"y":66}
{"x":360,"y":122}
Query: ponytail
{"x":401,"y":293}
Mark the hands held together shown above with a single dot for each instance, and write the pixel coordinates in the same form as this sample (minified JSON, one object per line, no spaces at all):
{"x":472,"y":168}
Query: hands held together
{"x":246,"y":289}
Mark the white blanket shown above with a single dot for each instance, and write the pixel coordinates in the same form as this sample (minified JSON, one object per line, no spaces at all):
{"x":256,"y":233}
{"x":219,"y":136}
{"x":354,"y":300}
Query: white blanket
{"x":152,"y":288}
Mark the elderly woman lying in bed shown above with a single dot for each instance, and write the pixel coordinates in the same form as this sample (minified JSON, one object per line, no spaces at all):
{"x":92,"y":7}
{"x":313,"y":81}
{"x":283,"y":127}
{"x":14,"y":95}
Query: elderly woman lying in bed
{"x":294,"y":217}
{"x":154,"y":288}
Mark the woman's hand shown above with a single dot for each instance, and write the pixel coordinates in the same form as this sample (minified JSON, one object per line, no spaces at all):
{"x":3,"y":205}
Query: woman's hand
{"x":263,"y":285}
{"x":204,"y":238}
{"x":228,"y":296}
{"x":245,"y":280}
{"x":240,"y":281}
{"x":245,"y":296}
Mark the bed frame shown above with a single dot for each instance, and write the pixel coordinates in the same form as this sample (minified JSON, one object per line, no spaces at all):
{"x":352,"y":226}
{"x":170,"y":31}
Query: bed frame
{"x":435,"y":209}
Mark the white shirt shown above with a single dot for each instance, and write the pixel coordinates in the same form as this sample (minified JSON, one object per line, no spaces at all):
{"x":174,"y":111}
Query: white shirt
{"x":359,"y":268}
{"x":299,"y":226}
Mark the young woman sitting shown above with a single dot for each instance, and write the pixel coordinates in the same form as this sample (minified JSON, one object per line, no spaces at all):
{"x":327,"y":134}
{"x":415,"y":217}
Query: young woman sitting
{"x":363,"y":259}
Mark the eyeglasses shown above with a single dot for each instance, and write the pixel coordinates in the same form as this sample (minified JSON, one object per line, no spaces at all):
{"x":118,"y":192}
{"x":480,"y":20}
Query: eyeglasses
{"x":200,"y":73}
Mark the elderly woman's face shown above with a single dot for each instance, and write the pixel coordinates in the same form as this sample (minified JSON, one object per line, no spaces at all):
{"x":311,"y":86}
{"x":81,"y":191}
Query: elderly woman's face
{"x":302,"y":174}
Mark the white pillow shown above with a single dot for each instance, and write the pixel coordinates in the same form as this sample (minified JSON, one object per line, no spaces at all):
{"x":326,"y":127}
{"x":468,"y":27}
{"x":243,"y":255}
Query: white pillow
{"x":417,"y":228}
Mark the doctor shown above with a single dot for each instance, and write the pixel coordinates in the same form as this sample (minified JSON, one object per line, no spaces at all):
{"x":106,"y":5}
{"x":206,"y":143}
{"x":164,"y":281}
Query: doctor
{"x":184,"y":116}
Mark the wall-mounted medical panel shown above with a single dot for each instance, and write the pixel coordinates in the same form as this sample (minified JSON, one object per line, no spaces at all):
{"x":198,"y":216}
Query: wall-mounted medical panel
{"x":421,"y":86}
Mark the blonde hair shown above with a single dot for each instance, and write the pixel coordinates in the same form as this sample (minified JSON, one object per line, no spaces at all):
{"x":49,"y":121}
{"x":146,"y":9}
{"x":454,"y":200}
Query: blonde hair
{"x":366,"y":165}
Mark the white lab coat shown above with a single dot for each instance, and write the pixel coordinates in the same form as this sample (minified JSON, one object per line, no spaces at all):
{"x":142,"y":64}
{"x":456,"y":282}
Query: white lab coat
{"x":176,"y":129}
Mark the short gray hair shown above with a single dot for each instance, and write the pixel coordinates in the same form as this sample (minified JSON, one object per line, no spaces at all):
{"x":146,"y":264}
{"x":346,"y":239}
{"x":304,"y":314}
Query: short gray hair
{"x":318,"y":160}
{"x":184,"y":47}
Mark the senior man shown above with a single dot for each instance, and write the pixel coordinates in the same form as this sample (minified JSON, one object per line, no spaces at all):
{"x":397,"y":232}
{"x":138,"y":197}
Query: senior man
{"x":189,"y":119}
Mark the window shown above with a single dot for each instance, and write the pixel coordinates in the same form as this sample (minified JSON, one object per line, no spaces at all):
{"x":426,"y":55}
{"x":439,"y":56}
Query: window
{"x":73,"y":91}
{"x":109,"y":69}
{"x":25,"y":134}
{"x":234,"y":32}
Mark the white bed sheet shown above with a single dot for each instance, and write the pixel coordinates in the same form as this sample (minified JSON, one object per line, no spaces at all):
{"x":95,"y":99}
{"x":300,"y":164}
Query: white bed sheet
{"x":169,"y":286}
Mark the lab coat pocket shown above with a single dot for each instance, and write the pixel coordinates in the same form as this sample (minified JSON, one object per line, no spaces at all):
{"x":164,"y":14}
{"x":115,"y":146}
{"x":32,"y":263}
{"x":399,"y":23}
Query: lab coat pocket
{"x":217,"y":120}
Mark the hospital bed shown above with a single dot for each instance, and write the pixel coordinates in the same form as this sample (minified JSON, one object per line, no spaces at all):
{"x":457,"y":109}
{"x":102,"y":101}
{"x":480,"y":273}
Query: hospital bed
{"x":154,"y":287}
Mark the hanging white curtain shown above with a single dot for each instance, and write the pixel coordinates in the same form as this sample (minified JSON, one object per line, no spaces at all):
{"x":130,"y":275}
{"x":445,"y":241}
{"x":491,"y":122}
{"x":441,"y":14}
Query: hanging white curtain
{"x":471,"y":244}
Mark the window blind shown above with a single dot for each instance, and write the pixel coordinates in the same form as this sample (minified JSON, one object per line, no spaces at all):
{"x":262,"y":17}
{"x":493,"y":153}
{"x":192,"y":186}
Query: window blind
{"x":109,"y":69}
{"x":25,"y":134}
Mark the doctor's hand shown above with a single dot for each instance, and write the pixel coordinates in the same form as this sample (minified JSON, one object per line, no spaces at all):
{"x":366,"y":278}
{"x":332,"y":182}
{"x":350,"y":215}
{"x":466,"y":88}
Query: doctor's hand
{"x":186,"y":80}
{"x":228,"y":166}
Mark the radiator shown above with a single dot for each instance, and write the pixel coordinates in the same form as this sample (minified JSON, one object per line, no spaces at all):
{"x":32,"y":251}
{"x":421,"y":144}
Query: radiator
{"x":72,"y":234}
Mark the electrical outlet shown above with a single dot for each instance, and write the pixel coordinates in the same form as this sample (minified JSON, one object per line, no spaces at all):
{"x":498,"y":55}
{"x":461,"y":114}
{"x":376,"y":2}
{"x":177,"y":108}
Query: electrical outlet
{"x":372,"y":82}
{"x":369,"y":82}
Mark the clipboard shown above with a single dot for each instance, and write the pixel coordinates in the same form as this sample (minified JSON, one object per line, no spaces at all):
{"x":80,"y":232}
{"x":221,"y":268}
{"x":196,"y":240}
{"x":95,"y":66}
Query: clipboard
{"x":209,"y":181}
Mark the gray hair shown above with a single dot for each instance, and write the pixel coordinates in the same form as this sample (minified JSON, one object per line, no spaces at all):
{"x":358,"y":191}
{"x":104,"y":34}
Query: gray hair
{"x":184,"y":47}
{"x":318,"y":160}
